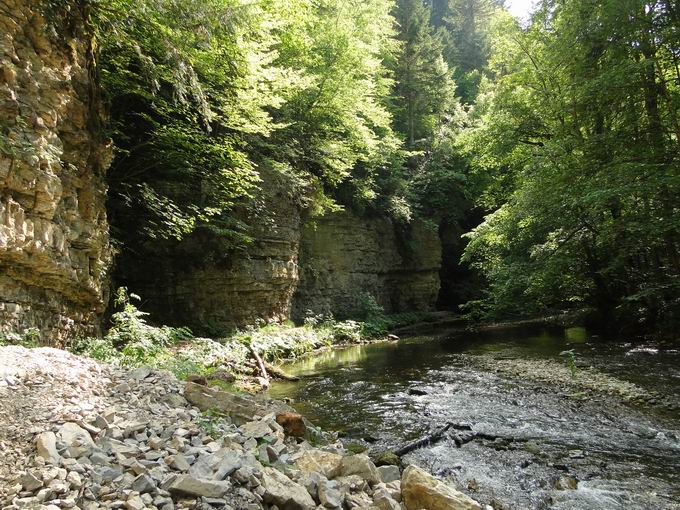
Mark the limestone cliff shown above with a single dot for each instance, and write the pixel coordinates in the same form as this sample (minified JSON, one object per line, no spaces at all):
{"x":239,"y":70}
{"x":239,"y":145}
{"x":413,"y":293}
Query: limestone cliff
{"x":202,"y":283}
{"x":292,"y":266}
{"x":343,"y":256}
{"x":54,"y":244}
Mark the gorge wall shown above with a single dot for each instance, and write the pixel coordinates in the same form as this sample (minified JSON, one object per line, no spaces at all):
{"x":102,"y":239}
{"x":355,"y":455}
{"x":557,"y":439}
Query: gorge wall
{"x":54,"y":244}
{"x":293,"y":267}
{"x":200,"y":282}
{"x":343,"y":256}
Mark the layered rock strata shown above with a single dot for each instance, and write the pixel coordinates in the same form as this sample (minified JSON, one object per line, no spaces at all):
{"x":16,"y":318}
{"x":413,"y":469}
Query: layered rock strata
{"x":344,"y":259}
{"x":54,"y":244}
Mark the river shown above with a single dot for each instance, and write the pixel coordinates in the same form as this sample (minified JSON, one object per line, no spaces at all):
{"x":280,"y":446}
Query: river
{"x":605,"y":435}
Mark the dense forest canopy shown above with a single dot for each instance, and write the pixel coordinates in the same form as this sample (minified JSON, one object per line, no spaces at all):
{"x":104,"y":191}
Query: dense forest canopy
{"x":562,"y":132}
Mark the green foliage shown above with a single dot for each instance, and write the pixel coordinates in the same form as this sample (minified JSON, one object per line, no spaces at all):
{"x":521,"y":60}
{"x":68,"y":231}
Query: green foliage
{"x":132,"y":341}
{"x":139,"y":342}
{"x":367,"y":307}
{"x":203,"y":92}
{"x":570,"y":359}
{"x":29,"y":338}
{"x":101,"y":349}
{"x":576,"y":144}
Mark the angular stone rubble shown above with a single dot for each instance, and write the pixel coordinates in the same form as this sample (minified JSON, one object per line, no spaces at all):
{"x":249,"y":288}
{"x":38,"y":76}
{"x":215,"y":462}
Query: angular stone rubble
{"x":145,"y":447}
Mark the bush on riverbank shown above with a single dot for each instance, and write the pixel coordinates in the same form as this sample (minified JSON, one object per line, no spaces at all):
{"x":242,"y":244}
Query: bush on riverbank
{"x":132,"y":341}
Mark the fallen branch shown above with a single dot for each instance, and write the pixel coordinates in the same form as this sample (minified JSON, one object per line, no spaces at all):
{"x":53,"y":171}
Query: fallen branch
{"x":278,"y":372}
{"x":430,"y":438}
{"x":466,"y":436}
{"x":260,"y":364}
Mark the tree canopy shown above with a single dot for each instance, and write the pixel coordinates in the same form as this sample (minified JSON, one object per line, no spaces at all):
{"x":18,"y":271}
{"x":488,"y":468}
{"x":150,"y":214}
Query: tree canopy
{"x":564,"y":132}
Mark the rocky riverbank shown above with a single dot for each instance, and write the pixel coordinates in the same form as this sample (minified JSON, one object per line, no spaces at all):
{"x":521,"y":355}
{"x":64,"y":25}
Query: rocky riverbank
{"x":78,"y":433}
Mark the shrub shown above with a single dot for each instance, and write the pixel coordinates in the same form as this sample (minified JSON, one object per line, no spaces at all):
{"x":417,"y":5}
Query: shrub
{"x":367,"y":308}
{"x":30,"y":337}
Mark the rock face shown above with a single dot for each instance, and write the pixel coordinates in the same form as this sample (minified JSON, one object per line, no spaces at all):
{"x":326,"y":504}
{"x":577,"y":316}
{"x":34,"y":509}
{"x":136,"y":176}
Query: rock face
{"x":293,"y":266}
{"x":200,"y":282}
{"x":54,"y":244}
{"x":343,"y":257}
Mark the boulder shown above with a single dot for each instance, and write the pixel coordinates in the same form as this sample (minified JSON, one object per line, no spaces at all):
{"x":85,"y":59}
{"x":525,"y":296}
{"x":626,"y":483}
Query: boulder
{"x":359,"y":465}
{"x":187,"y":484}
{"x":72,"y":434}
{"x":293,"y":424}
{"x":284,"y":492}
{"x":47,"y":447}
{"x":318,"y":461}
{"x":421,"y":491}
{"x":241,"y":408}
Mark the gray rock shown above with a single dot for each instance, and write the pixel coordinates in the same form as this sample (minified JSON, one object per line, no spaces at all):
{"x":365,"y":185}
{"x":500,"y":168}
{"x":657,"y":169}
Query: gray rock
{"x":30,"y":502}
{"x":255,"y":429}
{"x":180,"y":463}
{"x":250,"y":443}
{"x":47,"y":447}
{"x":284,"y":492}
{"x":329,"y":495}
{"x":186,"y":484}
{"x":101,"y":422}
{"x":135,"y":503}
{"x":359,"y":465}
{"x":229,"y":464}
{"x":107,"y":473}
{"x":156,"y":443}
{"x":143,"y":483}
{"x":100,"y":458}
{"x":384,"y":501}
{"x":45,"y":494}
{"x":122,"y":388}
{"x":140,"y":373}
{"x":30,"y":482}
{"x":74,"y":479}
{"x":174,"y":400}
{"x":389,"y":473}
{"x":74,"y":435}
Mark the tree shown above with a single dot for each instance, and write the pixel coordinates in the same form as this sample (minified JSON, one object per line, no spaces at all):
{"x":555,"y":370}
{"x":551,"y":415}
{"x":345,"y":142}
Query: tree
{"x":468,"y":22}
{"x":577,"y":142}
{"x":424,"y":90}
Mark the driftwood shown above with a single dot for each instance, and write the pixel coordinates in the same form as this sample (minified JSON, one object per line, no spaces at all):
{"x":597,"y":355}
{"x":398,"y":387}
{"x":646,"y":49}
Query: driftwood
{"x":466,"y":436}
{"x":260,"y":364}
{"x":424,"y":441}
{"x":281,"y":374}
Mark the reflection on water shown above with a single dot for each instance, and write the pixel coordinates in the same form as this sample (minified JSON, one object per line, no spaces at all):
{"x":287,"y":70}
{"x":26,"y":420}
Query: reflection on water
{"x":622,"y":456}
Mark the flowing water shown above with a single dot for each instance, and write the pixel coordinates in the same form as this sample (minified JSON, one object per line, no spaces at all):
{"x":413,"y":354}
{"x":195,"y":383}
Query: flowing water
{"x":605,"y":435}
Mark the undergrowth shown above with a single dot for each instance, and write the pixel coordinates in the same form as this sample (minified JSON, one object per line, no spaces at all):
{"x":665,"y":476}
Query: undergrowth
{"x":132,"y":341}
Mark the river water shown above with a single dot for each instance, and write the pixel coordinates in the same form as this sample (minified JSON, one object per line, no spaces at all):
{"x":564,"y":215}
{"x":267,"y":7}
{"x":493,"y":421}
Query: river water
{"x":605,"y":435}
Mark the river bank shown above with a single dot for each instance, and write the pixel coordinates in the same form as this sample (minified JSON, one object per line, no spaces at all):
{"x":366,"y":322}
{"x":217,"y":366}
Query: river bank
{"x":79,"y":433}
